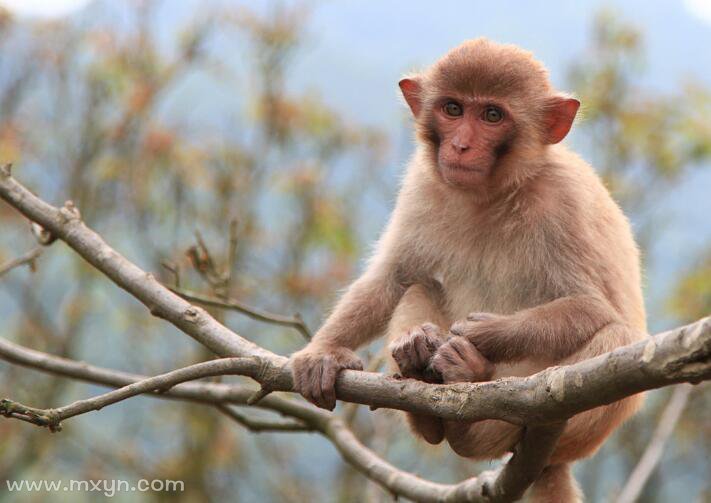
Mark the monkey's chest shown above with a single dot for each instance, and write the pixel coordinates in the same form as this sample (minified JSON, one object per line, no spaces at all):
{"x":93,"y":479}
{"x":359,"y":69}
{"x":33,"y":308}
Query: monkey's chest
{"x":502,"y":283}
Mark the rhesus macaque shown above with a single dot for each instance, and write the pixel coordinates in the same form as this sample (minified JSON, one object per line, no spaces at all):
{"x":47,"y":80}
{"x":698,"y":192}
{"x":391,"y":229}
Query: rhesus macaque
{"x":504,"y":255}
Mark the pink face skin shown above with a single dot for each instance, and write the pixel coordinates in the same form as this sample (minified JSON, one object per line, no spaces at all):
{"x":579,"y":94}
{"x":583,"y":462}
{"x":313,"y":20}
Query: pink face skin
{"x":472,"y":133}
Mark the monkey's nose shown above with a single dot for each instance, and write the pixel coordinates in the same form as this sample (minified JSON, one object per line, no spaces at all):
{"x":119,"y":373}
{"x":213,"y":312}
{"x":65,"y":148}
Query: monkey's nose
{"x":459,"y":146}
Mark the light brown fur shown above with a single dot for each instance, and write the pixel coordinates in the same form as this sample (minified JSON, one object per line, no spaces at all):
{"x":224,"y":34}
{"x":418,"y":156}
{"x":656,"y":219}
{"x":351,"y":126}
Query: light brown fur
{"x":538,"y":246}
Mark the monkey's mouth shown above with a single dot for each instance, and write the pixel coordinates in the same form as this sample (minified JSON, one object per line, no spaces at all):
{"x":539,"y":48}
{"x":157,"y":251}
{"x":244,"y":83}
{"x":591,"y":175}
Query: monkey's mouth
{"x":455,"y":166}
{"x":464,"y":168}
{"x":463,"y":175}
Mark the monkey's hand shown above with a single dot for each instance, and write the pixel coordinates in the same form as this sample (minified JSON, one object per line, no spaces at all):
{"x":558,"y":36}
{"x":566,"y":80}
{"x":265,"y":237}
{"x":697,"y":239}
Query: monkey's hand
{"x":315,"y":370}
{"x":458,"y":360}
{"x":490,"y":333}
{"x":413,"y":351}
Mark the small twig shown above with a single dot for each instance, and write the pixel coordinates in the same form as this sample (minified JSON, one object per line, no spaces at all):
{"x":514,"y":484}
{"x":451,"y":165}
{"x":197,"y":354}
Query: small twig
{"x":174,"y":269}
{"x":205,"y":264}
{"x":231,"y":251}
{"x":258,"y":395}
{"x":160,"y":383}
{"x":26,"y":259}
{"x":40,"y":417}
{"x":259,"y":425}
{"x":295,"y":321}
{"x":653,"y":454}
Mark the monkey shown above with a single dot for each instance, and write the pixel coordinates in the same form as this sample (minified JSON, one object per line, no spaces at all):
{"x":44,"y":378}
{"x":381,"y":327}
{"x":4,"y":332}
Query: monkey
{"x":504,"y":255}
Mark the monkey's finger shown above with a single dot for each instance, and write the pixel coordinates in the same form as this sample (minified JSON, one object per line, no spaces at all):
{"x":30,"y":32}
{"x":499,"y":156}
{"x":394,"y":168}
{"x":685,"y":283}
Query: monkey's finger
{"x":328,"y":382}
{"x":445,"y":359}
{"x":396,"y":351}
{"x":460,"y":346}
{"x":432,"y":375}
{"x":436,"y":363}
{"x":314,"y":386}
{"x":463,"y":328}
{"x":480,"y":316}
{"x":422,"y":351}
{"x":354,"y":365}
{"x":301,"y":379}
{"x":434,"y":335}
{"x":317,"y":387}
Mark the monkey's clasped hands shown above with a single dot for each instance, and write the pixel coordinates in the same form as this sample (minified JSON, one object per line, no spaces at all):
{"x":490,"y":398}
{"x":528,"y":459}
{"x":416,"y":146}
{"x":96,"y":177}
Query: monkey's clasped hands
{"x":423,"y":354}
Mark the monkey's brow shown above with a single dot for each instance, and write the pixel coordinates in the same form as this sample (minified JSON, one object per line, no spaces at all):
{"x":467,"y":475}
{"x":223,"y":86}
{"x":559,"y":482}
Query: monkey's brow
{"x":472,"y":99}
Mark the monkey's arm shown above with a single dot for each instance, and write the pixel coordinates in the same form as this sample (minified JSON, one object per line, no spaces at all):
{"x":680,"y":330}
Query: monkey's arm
{"x":549,"y":332}
{"x":362,"y":313}
{"x":415,"y":333}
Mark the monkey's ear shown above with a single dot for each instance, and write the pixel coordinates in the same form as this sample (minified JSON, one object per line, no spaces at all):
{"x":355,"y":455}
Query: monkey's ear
{"x":411,"y":89}
{"x":560,"y":114}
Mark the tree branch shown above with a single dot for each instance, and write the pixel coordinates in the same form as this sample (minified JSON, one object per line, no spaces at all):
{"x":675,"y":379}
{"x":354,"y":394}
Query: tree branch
{"x":653,"y":454}
{"x":530,"y":457}
{"x":26,"y":259}
{"x":253,"y":312}
{"x":259,"y":425}
{"x":52,"y":418}
{"x":542,"y":400}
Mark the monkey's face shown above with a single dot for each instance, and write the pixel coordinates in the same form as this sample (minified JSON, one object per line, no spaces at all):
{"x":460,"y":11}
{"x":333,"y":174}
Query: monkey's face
{"x":482,"y":107}
{"x":471,"y":134}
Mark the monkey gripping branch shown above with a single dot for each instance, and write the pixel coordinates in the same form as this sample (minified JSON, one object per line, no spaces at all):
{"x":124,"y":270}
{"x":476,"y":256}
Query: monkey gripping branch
{"x":541,"y":403}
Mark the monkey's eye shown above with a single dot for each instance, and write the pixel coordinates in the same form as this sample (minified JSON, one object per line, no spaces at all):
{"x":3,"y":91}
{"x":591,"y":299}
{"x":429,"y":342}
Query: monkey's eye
{"x":453,"y":109}
{"x":493,"y":114}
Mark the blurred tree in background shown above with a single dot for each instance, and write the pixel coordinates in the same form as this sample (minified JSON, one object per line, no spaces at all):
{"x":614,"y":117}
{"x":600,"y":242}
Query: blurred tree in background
{"x":213,"y":173}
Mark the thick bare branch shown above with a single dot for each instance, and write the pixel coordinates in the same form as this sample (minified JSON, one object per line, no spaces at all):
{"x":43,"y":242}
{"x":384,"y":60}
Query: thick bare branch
{"x":256,"y":313}
{"x":653,"y":454}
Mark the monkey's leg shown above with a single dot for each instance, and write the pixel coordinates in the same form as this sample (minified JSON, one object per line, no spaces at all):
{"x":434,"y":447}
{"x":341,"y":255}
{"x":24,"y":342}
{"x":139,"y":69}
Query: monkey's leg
{"x":555,"y":485}
{"x":415,"y":335}
{"x":487,"y":439}
{"x":458,"y":360}
{"x":586,"y":431}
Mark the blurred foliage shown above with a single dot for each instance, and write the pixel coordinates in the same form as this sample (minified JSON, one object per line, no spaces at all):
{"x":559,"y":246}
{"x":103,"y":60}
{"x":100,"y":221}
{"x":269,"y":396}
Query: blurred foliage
{"x":196,"y":158}
{"x":692,"y":299}
{"x":642,"y":140}
{"x":259,"y":200}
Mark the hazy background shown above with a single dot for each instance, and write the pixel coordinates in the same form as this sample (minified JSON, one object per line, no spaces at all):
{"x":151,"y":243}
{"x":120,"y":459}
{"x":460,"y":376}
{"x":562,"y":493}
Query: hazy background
{"x":162,"y":118}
